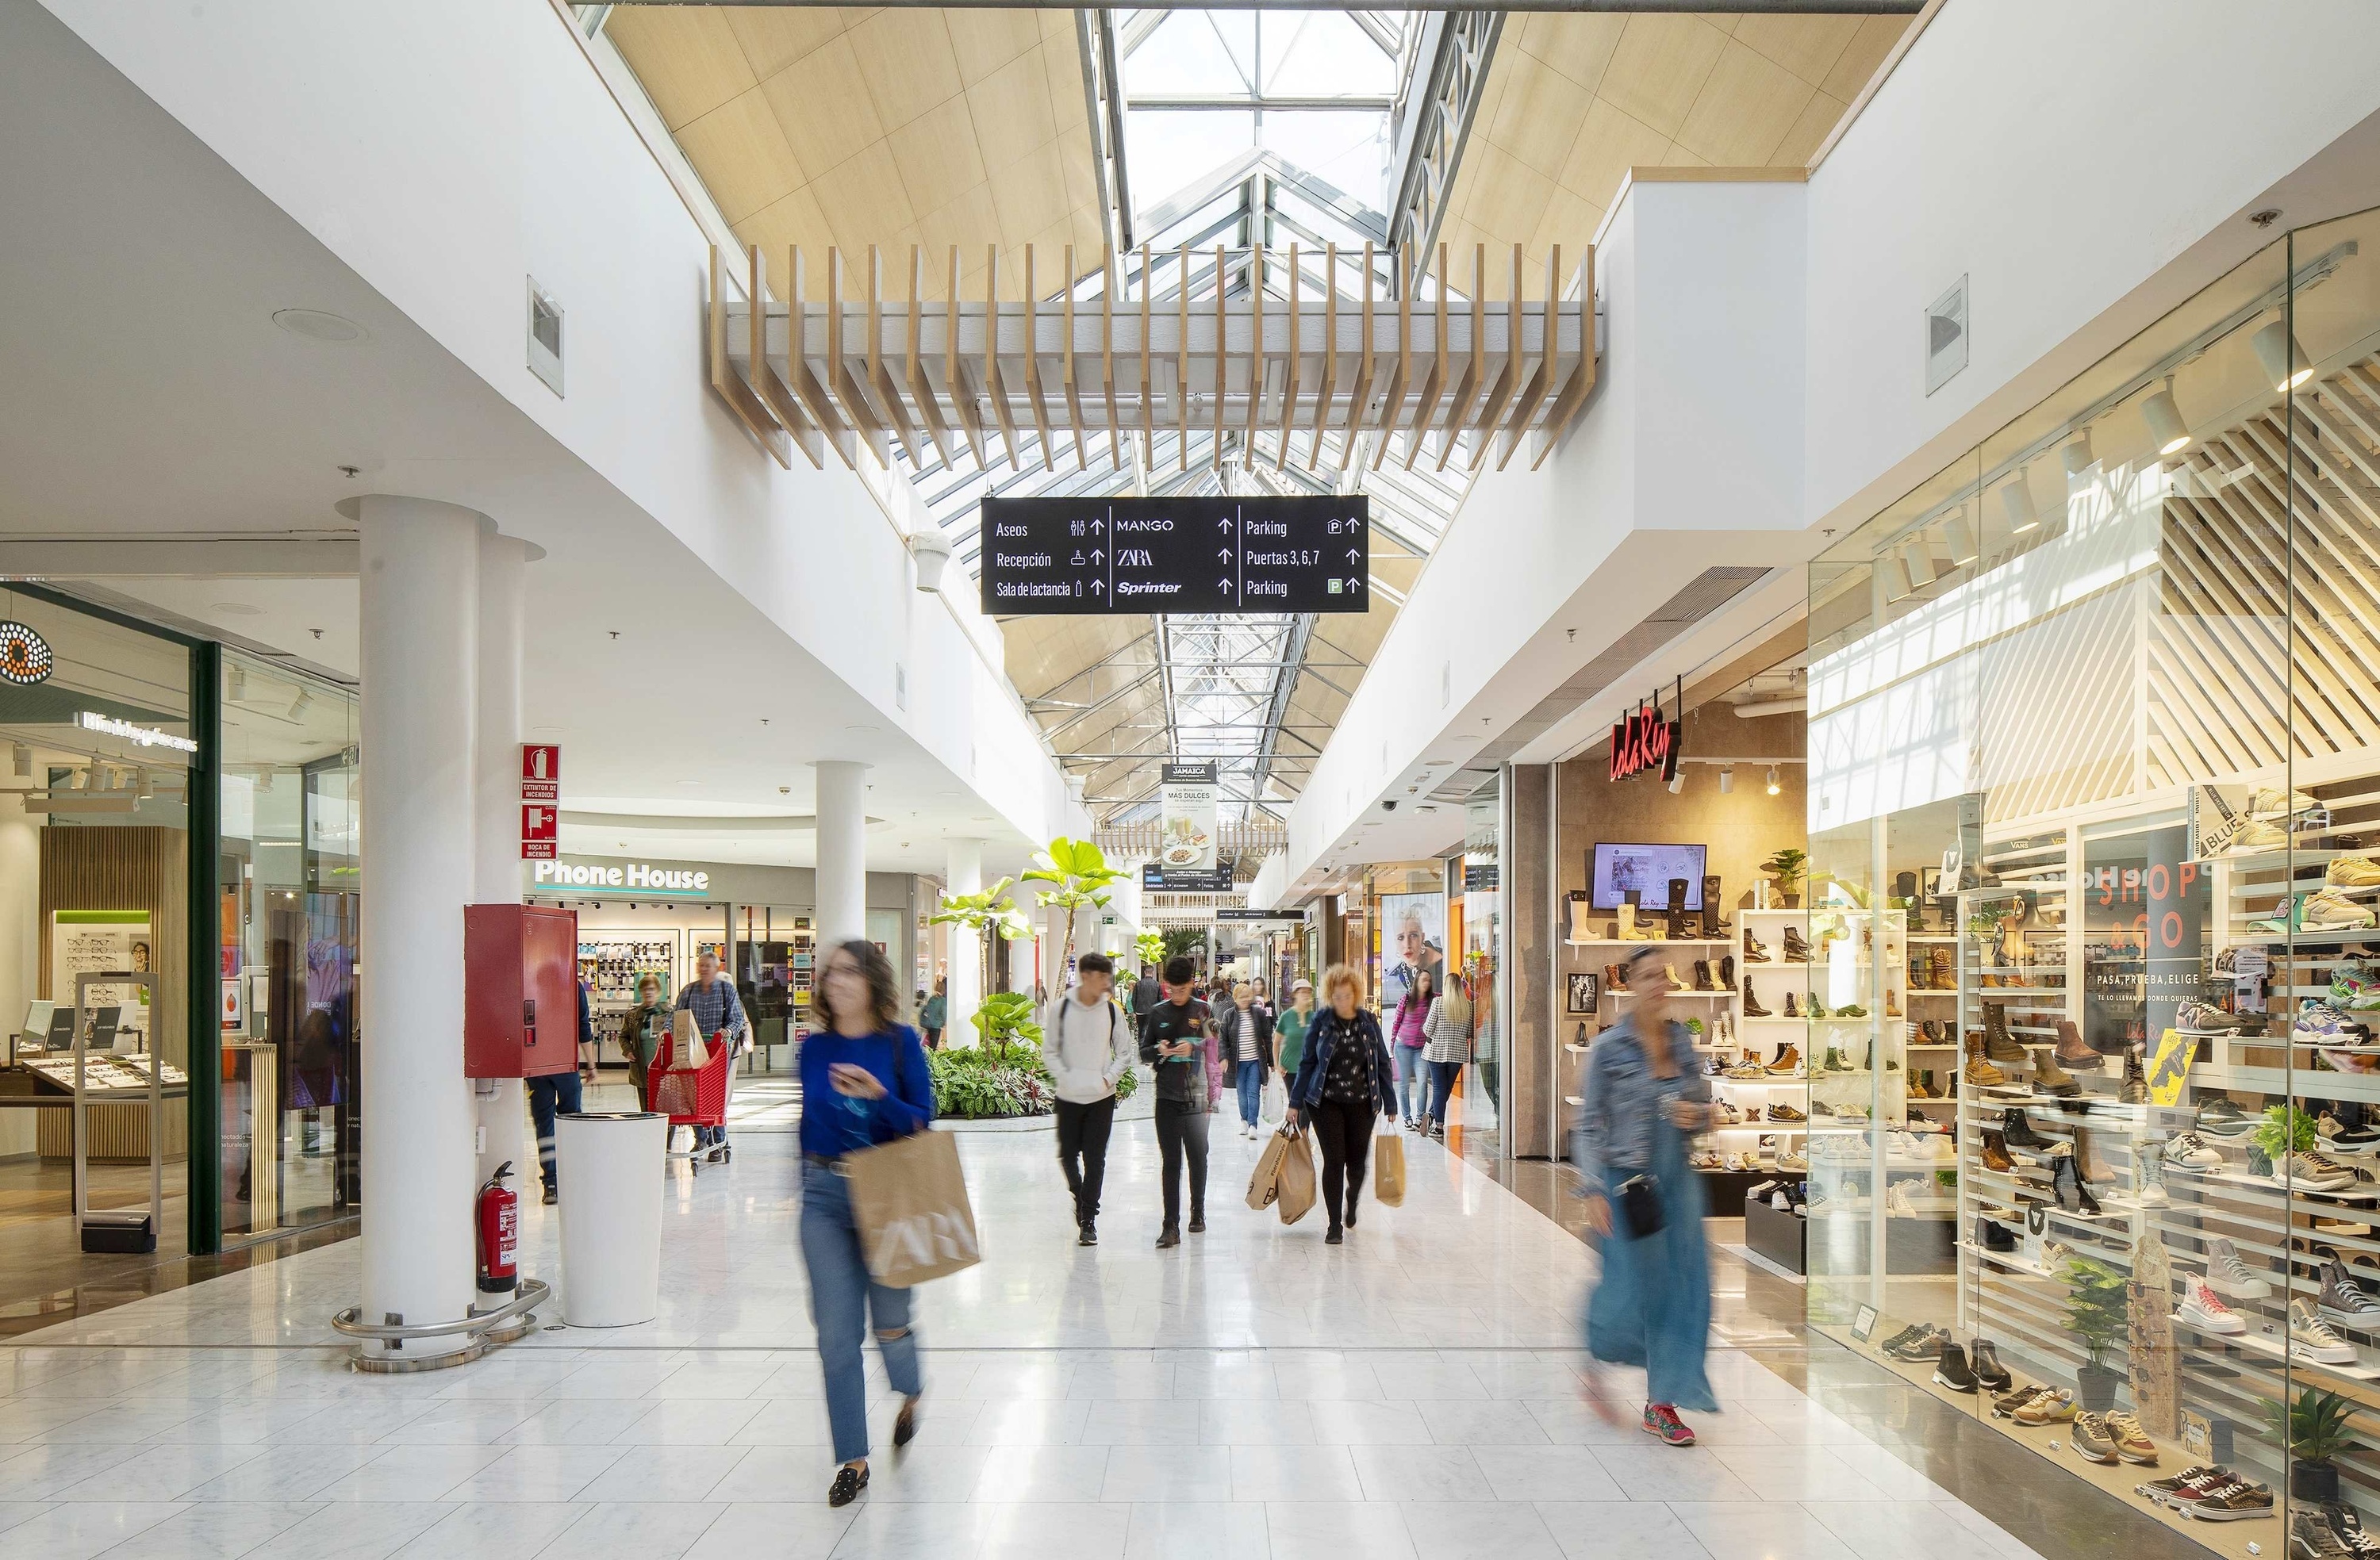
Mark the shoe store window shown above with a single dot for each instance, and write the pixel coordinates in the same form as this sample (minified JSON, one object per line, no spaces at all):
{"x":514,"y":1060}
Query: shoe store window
{"x":2094,"y":850}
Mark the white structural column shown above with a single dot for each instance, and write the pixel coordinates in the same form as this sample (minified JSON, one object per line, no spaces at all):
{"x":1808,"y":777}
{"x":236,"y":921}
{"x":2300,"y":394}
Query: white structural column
{"x":966,"y":876}
{"x":419,"y":618}
{"x":495,"y":813}
{"x":20,"y":944}
{"x":842,"y":851}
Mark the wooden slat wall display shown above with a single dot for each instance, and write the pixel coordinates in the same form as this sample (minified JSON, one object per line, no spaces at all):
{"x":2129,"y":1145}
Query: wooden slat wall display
{"x":853,"y":370}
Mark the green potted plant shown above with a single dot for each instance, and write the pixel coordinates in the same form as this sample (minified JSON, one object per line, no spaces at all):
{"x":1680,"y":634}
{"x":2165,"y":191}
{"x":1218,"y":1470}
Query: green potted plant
{"x":2096,"y":1315}
{"x":1079,"y":875}
{"x":1150,"y":947}
{"x":981,"y":914}
{"x":2283,"y":1130}
{"x":1785,"y":870}
{"x":2314,"y":1429}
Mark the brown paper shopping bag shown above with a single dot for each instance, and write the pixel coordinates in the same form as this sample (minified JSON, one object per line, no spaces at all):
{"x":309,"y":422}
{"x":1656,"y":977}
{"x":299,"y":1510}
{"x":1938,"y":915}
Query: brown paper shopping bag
{"x":1261,"y":1187}
{"x":910,"y":1199}
{"x":689,"y":1052}
{"x":1293,"y":1185}
{"x":1388,"y":1169}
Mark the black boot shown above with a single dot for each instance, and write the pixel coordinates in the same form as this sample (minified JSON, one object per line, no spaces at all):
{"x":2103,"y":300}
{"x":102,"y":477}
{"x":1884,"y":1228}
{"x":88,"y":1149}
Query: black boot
{"x":1984,"y":1360}
{"x":1754,"y":950}
{"x":1752,"y":1008}
{"x":2016,"y":1127}
{"x":1727,"y":973}
{"x":1170,"y":1236}
{"x":1703,"y":975}
{"x":1796,"y":949}
{"x":1950,"y":1370}
{"x":1791,"y":1012}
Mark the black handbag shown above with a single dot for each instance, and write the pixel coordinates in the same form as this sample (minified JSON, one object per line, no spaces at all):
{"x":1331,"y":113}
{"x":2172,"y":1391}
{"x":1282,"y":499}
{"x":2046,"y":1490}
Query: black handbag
{"x":1640,"y":1206}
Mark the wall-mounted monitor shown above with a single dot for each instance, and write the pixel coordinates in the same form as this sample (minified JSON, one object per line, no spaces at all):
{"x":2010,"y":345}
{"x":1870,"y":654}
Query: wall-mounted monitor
{"x":1614,"y":870}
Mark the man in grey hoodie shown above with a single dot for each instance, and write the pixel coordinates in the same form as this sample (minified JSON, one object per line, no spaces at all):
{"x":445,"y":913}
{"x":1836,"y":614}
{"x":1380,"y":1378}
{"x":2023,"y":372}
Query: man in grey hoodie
{"x":1086,"y":1043}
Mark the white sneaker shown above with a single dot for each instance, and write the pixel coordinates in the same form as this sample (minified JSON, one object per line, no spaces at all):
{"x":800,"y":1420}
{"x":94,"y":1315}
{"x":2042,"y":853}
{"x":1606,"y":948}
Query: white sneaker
{"x":1897,"y":1201}
{"x":2190,"y":1151}
{"x":2310,"y":1337}
{"x":2152,"y":1196}
{"x":2202,"y":1308}
{"x":2230,"y":1276}
{"x":2311,"y":1172}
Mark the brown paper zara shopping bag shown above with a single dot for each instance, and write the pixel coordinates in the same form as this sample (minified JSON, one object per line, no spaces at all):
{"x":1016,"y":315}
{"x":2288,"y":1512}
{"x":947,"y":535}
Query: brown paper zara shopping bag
{"x":1388,"y":1169}
{"x":910,"y":1202}
{"x":1261,"y":1187}
{"x":1293,"y":1185}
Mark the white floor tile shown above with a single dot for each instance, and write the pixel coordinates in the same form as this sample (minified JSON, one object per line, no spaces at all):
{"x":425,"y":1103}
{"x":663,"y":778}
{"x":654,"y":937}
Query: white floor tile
{"x":1167,"y":1473}
{"x":1761,"y":1533}
{"x":79,"y":1529}
{"x":1194,"y":1529}
{"x":1319,"y":1531}
{"x":217,"y":1531}
{"x":1480,"y":1531}
{"x":631,"y":1530}
{"x":492,"y":1531}
{"x":775,"y":1532}
{"x":1620,"y":1530}
{"x":1271,"y":1474}
{"x":1420,"y":1473}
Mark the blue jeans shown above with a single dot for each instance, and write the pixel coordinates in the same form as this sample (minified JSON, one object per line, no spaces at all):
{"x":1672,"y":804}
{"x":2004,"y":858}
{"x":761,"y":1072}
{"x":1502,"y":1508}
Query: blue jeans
{"x":841,"y":1299}
{"x":555,"y":1091}
{"x":1442,"y":1075}
{"x":1409,"y":1080}
{"x":1251,"y":1084}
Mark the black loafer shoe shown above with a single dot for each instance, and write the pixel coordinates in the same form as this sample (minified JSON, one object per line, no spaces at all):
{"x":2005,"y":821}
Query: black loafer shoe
{"x":1333,"y":1237}
{"x":849,"y":1482}
{"x":1198,"y":1223}
{"x":1351,"y":1218}
{"x":1169,"y":1236}
{"x":904,"y":1427}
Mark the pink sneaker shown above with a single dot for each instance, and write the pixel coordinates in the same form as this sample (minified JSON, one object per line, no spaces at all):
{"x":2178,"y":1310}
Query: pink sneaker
{"x":1661,"y":1421}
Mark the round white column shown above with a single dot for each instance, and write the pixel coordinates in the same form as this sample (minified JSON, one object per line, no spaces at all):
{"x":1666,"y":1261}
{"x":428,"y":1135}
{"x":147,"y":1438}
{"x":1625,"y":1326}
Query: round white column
{"x":842,"y":851}
{"x":965,"y":874}
{"x":502,"y":1108}
{"x":419,"y":619}
{"x":20,"y":946}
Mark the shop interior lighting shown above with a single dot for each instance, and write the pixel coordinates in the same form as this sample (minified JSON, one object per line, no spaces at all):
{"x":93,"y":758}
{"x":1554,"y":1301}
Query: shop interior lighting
{"x":1774,"y":787}
{"x":142,"y":786}
{"x":1726,"y":779}
{"x":1907,"y":558}
{"x":2165,"y":421}
{"x":2284,"y":360}
{"x":2016,"y":500}
{"x":21,"y":760}
{"x":239,"y":682}
{"x":1961,"y":538}
{"x":2077,"y":456}
{"x":1677,"y":782}
{"x":301,"y":704}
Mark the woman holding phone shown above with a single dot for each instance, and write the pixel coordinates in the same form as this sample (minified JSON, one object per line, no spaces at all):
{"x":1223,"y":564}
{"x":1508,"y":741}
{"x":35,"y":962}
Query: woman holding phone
{"x":864,"y":1082}
{"x":1642,"y":1098}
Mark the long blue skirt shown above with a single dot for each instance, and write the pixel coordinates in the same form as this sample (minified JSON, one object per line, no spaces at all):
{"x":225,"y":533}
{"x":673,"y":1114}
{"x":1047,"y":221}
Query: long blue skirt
{"x":1652,"y":1306}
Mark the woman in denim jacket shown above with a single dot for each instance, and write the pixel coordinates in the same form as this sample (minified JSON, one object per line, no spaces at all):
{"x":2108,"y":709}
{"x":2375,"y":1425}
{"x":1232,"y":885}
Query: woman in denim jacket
{"x":1642,"y":1100}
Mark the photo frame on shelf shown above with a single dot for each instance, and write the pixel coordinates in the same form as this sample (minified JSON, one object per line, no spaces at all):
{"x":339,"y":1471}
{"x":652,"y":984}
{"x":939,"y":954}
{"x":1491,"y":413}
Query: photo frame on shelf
{"x":1583,"y":988}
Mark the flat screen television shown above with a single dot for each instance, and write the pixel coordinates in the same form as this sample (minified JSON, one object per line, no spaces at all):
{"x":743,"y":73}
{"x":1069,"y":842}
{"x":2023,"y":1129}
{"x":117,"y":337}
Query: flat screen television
{"x":1614,"y":869}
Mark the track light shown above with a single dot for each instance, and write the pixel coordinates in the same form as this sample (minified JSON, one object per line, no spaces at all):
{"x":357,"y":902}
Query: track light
{"x":1677,"y":782}
{"x":21,"y":760}
{"x":239,"y":682}
{"x":2165,"y":420}
{"x":1726,"y":779}
{"x":301,"y":704}
{"x":1774,"y":787}
{"x":2284,"y":360}
{"x":2078,"y":456}
{"x":2017,"y":499}
{"x":1961,"y":535}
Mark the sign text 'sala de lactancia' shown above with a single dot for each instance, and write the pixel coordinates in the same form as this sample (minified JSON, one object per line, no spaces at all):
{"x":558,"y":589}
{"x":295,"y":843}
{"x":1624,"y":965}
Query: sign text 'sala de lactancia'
{"x":1643,"y":743}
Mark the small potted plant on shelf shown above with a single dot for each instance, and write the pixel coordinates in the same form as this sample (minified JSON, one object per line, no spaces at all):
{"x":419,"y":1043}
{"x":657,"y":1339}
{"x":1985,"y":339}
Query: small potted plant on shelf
{"x":1785,"y":871}
{"x":2283,"y":1130}
{"x":2097,"y":1315}
{"x":2314,"y":1429}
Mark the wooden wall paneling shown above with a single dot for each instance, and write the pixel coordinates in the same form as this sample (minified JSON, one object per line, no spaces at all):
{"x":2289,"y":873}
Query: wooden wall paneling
{"x":102,"y":868}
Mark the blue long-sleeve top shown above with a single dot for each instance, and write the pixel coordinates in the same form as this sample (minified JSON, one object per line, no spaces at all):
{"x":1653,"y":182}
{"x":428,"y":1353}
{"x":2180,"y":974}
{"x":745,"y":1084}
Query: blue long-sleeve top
{"x":834,"y":1124}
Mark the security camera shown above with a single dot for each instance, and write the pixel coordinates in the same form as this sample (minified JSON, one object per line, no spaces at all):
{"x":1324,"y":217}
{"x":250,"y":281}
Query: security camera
{"x":1390,"y":805}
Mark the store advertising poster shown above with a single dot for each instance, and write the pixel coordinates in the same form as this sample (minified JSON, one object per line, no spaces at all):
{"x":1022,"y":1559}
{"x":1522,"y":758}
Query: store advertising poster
{"x":1414,"y":927}
{"x":1188,"y":842}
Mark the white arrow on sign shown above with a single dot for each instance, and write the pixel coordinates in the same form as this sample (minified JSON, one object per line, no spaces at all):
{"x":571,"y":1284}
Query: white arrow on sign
{"x":1099,"y":586}
{"x":1226,"y":554}
{"x":1226,"y":584}
{"x":1354,"y":556}
{"x":1222,"y":525}
{"x":1098,"y":524}
{"x":1098,"y":554}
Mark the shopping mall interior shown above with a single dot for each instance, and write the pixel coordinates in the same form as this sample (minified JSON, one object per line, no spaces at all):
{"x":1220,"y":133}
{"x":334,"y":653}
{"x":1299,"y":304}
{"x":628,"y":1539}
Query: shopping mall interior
{"x":1776,"y":607}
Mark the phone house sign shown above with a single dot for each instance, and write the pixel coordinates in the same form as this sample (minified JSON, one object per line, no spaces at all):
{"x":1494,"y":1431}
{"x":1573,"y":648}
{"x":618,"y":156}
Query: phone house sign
{"x":629,"y":875}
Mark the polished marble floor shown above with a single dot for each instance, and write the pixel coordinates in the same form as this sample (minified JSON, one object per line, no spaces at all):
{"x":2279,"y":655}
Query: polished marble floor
{"x":1416,"y":1392}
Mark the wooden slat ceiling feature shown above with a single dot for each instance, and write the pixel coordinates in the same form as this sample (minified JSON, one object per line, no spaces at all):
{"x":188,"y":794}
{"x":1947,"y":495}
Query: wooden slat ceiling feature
{"x":1278,"y":373}
{"x":1574,"y":101}
{"x":818,"y":126}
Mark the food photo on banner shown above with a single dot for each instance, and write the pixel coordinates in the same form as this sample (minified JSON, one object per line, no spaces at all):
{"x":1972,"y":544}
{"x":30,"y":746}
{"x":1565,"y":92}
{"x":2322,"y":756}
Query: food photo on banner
{"x":1188,"y":843}
{"x":1414,"y":925}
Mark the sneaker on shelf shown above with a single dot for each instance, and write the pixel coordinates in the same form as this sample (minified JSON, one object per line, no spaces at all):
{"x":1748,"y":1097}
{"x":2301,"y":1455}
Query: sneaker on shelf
{"x":1898,"y":1202}
{"x":1781,"y":1112}
{"x":1790,"y":1160}
{"x":2133,"y":1443}
{"x":1984,"y":1358}
{"x":2322,"y":910}
{"x":1921,"y":1342}
{"x":2356,"y":871}
{"x":2205,"y":1018}
{"x":1950,"y":1369}
{"x":2310,"y":1337}
{"x":2191,"y":1153}
{"x":2254,"y":839}
{"x":1907,"y":1336}
{"x":2055,"y":1256}
{"x":2230,"y":1276}
{"x":1750,"y":1067}
{"x":2231,"y":1503}
{"x":2312,"y":1538}
{"x":2348,"y":1528}
{"x":2353,"y":989}
{"x":1787,"y":1065}
{"x":2092,"y":1442}
{"x":2267,"y":803}
{"x":2313,"y":1172}
{"x":2202,"y":1308}
{"x":2050,"y":1406}
{"x":2220,"y":1117}
{"x":2346,"y":1301}
{"x":2321,"y":1027}
{"x":2189,"y":1484}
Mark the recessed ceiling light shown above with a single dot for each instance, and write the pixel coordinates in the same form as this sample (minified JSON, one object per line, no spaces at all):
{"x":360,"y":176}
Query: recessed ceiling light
{"x":317,"y":324}
{"x":237,"y":609}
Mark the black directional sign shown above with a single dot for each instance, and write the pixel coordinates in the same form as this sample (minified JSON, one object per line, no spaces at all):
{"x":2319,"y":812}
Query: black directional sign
{"x":1044,"y":557}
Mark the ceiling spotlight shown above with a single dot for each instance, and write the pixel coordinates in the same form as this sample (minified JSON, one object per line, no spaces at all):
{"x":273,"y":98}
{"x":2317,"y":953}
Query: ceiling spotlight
{"x":2165,"y":420}
{"x":1961,"y":535}
{"x":1774,"y":788}
{"x":2017,"y":499}
{"x":239,"y":682}
{"x":1917,"y":567}
{"x":1677,"y":782}
{"x":301,"y":704}
{"x":2077,"y":456}
{"x":21,"y":760}
{"x":2284,"y":360}
{"x":141,"y":785}
{"x":1726,"y":779}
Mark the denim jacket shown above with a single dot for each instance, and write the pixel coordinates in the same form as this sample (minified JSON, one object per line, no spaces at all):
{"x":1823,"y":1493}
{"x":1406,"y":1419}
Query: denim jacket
{"x":1325,"y":1034}
{"x":1620,"y":1093}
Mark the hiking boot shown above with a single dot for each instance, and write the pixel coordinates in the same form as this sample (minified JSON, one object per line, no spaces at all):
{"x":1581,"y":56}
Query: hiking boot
{"x":1998,"y":1044}
{"x":1892,"y":1003}
{"x":1727,"y":973}
{"x":1752,"y":1008}
{"x":1833,"y":1061}
{"x":1996,"y":1154}
{"x":2072,"y":1049}
{"x":2051,"y":1079}
{"x":1981,"y":1073}
{"x":1703,"y":975}
{"x":1797,"y":948}
{"x":1791,"y":1012}
{"x":1787,"y":1065}
{"x":1754,"y":950}
{"x":2136,"y":1084}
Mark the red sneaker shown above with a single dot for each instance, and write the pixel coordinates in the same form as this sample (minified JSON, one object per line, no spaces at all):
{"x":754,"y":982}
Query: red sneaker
{"x":1662,"y":1422}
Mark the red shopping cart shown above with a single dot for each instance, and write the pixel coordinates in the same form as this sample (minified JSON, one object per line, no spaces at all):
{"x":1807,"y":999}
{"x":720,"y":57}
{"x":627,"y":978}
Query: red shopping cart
{"x":693,"y":1096}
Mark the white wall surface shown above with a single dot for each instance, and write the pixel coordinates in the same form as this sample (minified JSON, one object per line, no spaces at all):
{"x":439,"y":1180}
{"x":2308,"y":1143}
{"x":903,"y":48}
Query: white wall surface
{"x":447,"y":150}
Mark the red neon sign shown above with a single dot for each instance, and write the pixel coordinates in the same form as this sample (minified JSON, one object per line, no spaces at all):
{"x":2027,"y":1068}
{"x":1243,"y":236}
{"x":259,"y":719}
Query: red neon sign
{"x":1643,"y":743}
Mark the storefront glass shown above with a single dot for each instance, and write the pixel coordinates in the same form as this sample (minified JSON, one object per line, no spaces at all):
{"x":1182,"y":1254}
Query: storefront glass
{"x":2095,"y":736}
{"x":290,"y":892}
{"x":96,"y":714}
{"x":1476,"y":886}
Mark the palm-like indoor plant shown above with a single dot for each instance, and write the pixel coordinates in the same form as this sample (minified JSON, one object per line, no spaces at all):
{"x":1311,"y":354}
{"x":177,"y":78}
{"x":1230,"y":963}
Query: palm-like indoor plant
{"x":1078,"y":876}
{"x":1149,"y":947}
{"x":981,"y":915}
{"x":1785,"y":871}
{"x":2097,"y":1315}
{"x":2282,"y":1130}
{"x":2314,"y":1429}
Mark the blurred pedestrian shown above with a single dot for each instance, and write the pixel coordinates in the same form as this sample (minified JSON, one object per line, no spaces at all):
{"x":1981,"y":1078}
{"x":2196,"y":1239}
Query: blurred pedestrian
{"x":1343,"y":1079}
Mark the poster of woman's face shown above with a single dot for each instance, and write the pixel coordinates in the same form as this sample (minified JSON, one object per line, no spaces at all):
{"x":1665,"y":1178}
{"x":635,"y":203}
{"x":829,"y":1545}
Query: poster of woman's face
{"x":1416,"y":925}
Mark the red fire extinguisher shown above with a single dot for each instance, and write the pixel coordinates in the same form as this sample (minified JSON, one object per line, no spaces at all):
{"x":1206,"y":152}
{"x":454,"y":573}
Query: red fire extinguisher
{"x":499,"y":1234}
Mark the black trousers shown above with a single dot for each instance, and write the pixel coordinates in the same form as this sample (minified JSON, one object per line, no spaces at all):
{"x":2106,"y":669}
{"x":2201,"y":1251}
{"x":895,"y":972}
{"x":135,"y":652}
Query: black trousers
{"x":1083,"y":1150}
{"x":1182,"y":1133}
{"x":1344,"y":1131}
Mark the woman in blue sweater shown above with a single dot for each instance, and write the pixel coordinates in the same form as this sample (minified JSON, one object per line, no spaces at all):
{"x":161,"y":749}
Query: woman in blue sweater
{"x":864,"y":1082}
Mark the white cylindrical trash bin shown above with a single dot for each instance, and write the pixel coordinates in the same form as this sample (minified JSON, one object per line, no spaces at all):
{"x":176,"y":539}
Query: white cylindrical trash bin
{"x":611,"y":1195}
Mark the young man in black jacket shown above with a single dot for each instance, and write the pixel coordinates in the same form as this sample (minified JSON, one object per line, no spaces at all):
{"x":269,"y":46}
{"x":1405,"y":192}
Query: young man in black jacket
{"x":1172,"y":1040}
